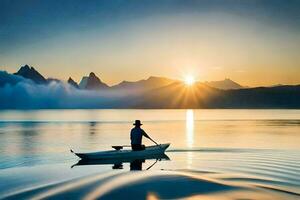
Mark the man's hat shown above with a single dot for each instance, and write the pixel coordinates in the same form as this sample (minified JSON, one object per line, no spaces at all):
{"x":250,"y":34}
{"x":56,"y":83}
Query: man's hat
{"x":137,"y":123}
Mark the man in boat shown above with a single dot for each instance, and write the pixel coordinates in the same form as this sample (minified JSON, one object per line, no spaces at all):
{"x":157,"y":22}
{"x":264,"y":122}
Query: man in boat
{"x":136,"y":135}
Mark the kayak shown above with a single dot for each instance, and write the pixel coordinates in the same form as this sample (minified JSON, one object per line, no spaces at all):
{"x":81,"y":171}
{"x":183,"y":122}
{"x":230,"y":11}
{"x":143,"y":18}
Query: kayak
{"x":119,"y":154}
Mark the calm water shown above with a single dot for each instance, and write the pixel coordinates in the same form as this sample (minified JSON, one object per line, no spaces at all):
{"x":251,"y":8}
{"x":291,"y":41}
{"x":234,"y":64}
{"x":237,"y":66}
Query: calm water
{"x":219,"y":154}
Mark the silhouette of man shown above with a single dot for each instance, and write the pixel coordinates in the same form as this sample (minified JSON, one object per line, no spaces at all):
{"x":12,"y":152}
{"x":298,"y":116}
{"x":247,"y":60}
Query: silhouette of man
{"x":136,"y":135}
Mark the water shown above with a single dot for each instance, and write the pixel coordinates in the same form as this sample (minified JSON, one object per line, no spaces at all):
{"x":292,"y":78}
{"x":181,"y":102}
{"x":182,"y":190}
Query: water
{"x":219,"y":154}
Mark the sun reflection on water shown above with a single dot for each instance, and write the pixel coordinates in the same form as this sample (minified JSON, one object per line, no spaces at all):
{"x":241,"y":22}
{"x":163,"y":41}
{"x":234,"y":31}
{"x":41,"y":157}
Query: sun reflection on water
{"x":190,"y":128}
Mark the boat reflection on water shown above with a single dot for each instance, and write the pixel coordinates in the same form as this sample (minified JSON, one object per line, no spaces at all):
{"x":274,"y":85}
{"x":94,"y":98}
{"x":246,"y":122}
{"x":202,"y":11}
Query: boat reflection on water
{"x":135,"y":164}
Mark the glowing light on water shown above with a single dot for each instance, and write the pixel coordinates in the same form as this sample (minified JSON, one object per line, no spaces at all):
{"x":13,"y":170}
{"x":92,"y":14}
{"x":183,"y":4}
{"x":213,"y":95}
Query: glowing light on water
{"x":190,"y":128}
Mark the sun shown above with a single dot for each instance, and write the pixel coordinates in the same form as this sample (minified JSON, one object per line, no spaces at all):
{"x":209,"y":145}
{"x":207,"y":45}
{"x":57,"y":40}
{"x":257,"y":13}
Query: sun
{"x":189,"y":80}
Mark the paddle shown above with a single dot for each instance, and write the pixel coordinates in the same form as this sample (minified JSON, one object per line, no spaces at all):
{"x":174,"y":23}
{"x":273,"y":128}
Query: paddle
{"x":153,"y":141}
{"x":121,"y":146}
{"x":152,"y":165}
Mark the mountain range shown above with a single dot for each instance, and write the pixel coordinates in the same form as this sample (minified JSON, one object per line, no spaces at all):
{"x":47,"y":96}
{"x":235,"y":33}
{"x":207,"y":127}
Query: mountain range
{"x":160,"y":92}
{"x":92,"y":82}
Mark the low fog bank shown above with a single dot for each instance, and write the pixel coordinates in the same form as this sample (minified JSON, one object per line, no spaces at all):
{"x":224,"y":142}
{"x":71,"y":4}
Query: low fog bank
{"x":17,"y":92}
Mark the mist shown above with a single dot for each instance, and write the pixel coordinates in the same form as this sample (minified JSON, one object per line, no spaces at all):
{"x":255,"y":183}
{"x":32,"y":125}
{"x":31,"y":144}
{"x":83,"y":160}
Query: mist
{"x":17,"y":92}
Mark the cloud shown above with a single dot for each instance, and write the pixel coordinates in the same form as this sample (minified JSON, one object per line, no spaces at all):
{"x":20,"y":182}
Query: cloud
{"x":19,"y":93}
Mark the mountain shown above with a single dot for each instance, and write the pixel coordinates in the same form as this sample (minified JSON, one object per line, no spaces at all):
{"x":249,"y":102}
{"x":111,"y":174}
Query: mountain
{"x":225,"y":84}
{"x":73,"y":83}
{"x":31,"y":73}
{"x":83,"y":82}
{"x":143,"y":85}
{"x":92,"y":82}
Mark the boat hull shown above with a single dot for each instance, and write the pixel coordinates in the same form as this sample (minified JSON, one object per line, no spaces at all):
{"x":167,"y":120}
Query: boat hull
{"x":116,"y":161}
{"x":119,"y":154}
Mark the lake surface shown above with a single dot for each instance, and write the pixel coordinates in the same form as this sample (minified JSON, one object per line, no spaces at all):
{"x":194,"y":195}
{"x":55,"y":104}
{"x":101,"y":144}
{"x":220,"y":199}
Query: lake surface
{"x":214,"y":154}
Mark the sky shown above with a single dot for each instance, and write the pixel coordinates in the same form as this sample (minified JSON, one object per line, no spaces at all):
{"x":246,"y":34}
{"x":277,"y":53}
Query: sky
{"x":253,"y":42}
